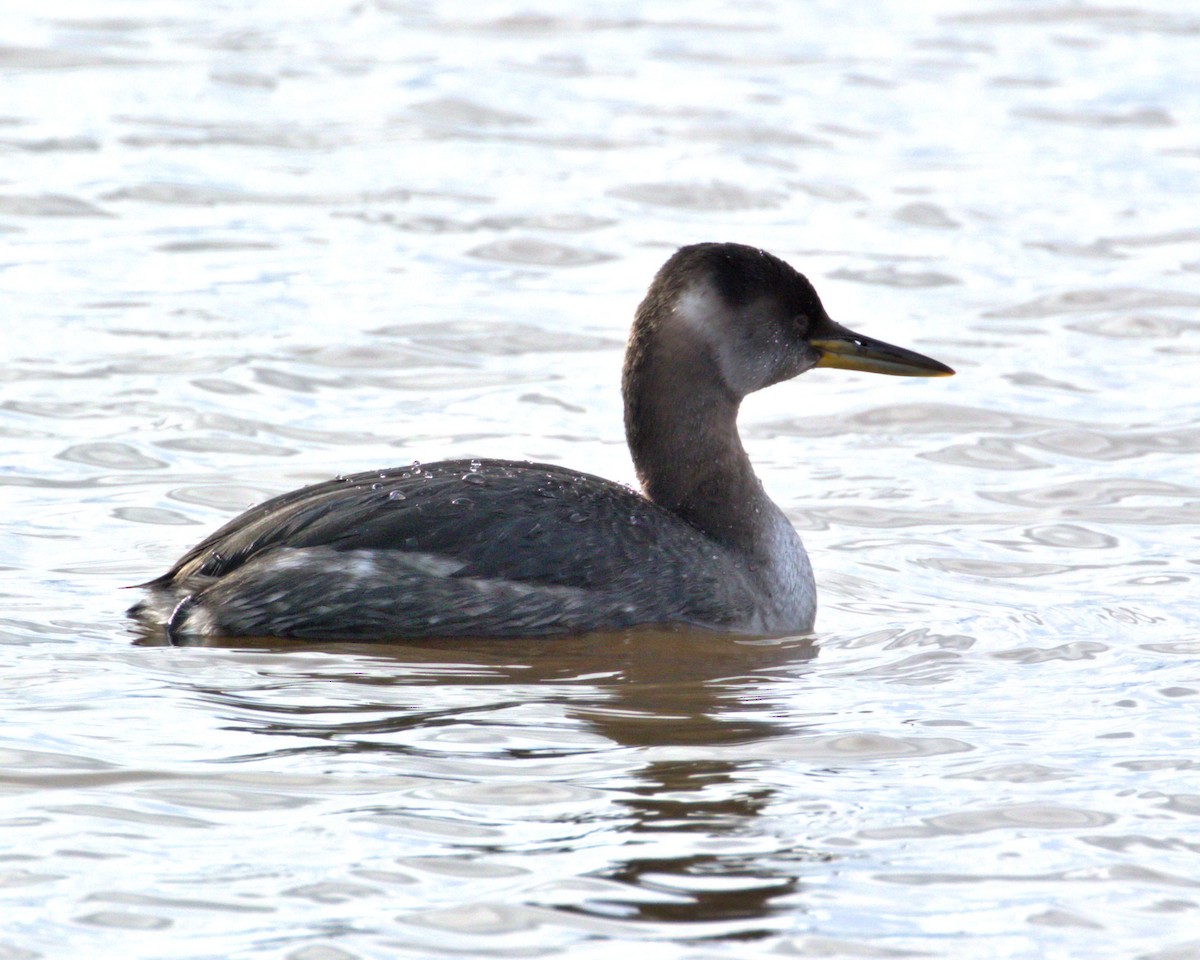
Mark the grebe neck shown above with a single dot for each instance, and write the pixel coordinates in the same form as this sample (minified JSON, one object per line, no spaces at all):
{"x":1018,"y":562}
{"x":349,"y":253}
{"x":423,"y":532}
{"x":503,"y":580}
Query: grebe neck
{"x":681,"y":425}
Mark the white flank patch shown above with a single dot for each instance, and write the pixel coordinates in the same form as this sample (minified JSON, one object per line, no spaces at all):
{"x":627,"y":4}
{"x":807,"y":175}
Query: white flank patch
{"x":362,"y":565}
{"x":433,"y":564}
{"x":198,"y":621}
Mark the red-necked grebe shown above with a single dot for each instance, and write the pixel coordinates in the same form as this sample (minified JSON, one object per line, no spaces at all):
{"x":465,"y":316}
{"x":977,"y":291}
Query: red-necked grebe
{"x":506,"y":548}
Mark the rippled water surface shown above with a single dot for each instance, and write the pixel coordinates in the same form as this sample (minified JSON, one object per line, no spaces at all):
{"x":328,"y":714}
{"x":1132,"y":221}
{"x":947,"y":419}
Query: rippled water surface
{"x":251,"y":245}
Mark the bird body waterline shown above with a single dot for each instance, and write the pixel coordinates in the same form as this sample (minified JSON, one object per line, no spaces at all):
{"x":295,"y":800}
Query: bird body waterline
{"x":507,"y":548}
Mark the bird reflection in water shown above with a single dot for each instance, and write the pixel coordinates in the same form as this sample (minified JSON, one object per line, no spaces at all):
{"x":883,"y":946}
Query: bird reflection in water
{"x":654,"y":727}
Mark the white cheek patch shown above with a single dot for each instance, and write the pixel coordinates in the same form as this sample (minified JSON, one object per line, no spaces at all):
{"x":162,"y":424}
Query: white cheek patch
{"x":701,"y":310}
{"x":709,"y":318}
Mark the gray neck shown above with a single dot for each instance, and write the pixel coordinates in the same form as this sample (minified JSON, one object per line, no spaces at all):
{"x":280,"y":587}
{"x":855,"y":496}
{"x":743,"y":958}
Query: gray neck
{"x":683,"y":386}
{"x":681,"y":424}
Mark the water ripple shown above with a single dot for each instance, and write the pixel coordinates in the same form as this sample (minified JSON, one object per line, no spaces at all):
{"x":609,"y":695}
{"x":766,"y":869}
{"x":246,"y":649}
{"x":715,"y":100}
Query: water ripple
{"x":246,"y":248}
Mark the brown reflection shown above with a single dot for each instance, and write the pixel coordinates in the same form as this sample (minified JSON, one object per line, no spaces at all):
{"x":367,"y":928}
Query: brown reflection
{"x":646,"y":687}
{"x":667,"y":694}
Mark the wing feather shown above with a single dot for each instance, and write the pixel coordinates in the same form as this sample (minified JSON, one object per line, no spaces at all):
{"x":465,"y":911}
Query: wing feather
{"x":523,"y":522}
